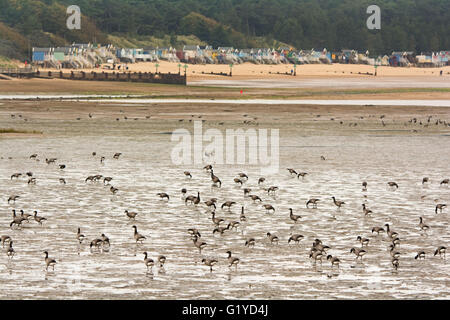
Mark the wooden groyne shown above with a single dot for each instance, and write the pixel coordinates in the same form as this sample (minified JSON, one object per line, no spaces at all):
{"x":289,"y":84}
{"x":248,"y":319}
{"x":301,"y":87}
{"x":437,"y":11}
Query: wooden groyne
{"x":17,"y":72}
{"x":144,"y":77}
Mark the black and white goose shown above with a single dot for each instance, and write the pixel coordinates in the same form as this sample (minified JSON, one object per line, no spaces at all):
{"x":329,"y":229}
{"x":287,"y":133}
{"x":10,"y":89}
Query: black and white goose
{"x":316,"y":255}
{"x":25,"y":216}
{"x":391,"y":234}
{"x":395,"y":263}
{"x":192,"y":199}
{"x":393,"y":184}
{"x":269,"y":208}
{"x":422,"y":225}
{"x":228,"y":204}
{"x":130,"y":214}
{"x":334,"y":260}
{"x":234,"y":225}
{"x":292,"y":171}
{"x":16,"y":220}
{"x":216,"y":220}
{"x":312,"y":201}
{"x":163,"y":195}
{"x":294,"y":217}
{"x":221,"y":230}
{"x":364,"y":186}
{"x":210,"y":263}
{"x":161,"y":260}
{"x":194,"y":232}
{"x":242,"y":175}
{"x":440,"y":251}
{"x":137,"y":236}
{"x":250,"y":242}
{"x":301,"y":174}
{"x":337,"y":203}
{"x":80,"y":236}
{"x":366,"y":211}
{"x":439,"y":206}
{"x":272,"y":238}
{"x":393,"y":253}
{"x":4,"y":239}
{"x":113,"y":190}
{"x":296,"y":238}
{"x":14,"y":198}
{"x":232,"y":260}
{"x":242,"y":217}
{"x":199,"y":244}
{"x":96,"y":243}
{"x":377,"y":230}
{"x":363,"y":241}
{"x":187,"y":174}
{"x":149,"y":263}
{"x":107,"y":180}
{"x":15,"y":175}
{"x":272,"y":190}
{"x":38,"y":219}
{"x":254,"y":197}
{"x":49,"y":262}
{"x":420,"y":255}
{"x":358,"y":252}
{"x":215,"y":179}
{"x":211,"y":203}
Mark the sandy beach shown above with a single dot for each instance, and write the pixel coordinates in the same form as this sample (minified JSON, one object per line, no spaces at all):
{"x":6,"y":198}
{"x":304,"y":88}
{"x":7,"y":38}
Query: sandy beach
{"x":247,"y":70}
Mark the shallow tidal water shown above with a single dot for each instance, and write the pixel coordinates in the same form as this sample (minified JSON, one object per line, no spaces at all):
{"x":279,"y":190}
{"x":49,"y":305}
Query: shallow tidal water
{"x":265,"y":272}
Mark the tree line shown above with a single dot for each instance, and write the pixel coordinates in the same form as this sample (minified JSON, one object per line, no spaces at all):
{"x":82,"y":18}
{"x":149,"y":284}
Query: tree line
{"x":412,"y":25}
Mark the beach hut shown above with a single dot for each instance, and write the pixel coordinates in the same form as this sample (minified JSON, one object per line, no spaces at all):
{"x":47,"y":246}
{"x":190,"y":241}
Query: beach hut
{"x":126,"y":55}
{"x":168,"y":54}
{"x":191,"y":54}
{"x":401,"y":59}
{"x":44,"y":57}
{"x":349,"y":56}
{"x":425,"y":60}
{"x":39,"y":54}
{"x":207,"y":54}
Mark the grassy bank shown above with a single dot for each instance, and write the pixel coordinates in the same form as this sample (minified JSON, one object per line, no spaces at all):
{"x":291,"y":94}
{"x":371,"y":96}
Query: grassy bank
{"x":11,"y":130}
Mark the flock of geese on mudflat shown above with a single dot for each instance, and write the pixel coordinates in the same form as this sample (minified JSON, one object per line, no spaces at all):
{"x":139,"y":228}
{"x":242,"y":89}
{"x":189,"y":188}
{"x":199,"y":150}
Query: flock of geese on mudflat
{"x":101,"y":244}
{"x":317,"y":252}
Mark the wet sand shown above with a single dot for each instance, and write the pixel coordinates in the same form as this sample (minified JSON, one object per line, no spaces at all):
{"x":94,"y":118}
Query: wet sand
{"x":399,"y":151}
{"x":329,"y":82}
{"x":415,"y":88}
